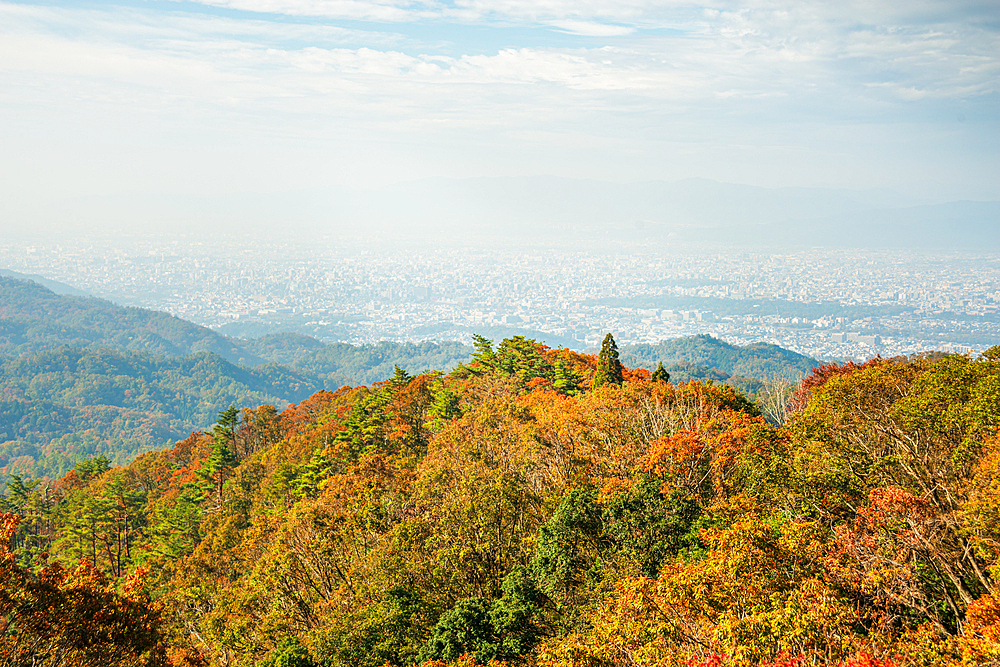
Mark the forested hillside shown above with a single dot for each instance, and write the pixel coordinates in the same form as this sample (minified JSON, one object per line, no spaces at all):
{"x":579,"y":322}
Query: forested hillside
{"x":53,"y":285}
{"x":82,"y":377}
{"x":757,"y":360}
{"x":365,"y":364}
{"x":534,"y":507}
{"x":61,"y":406}
{"x":34,"y":319}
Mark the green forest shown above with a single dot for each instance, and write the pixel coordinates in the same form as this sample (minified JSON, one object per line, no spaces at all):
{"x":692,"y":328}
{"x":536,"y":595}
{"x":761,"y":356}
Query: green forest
{"x":535,"y":507}
{"x":81,"y":377}
{"x":61,"y":406}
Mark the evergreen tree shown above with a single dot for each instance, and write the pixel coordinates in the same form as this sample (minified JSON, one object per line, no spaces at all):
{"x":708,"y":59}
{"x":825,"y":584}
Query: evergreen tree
{"x":312,"y":475}
{"x":289,"y":653}
{"x":364,"y":430}
{"x":175,"y":527}
{"x":444,"y":406}
{"x":225,"y":425}
{"x":400,"y":377}
{"x":522,"y":358}
{"x":218,"y":465}
{"x":566,"y":380}
{"x":609,"y":368}
{"x":661,"y":374}
{"x":483,"y":356}
{"x":465,"y":628}
{"x":91,"y":468}
{"x":222,"y":458}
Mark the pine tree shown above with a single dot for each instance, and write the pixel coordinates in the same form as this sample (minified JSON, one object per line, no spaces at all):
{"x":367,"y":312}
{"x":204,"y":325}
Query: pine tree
{"x":400,"y":377}
{"x":483,"y":355}
{"x":522,"y":358}
{"x":222,"y":458}
{"x":661,"y":374}
{"x":566,"y":380}
{"x":218,"y":465}
{"x":225,"y":425}
{"x":91,"y":468}
{"x":444,"y":406}
{"x":609,"y":368}
{"x":312,"y":475}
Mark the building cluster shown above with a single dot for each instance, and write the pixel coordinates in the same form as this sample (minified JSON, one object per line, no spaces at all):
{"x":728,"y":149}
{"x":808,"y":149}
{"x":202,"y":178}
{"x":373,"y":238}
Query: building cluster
{"x":826,"y":303}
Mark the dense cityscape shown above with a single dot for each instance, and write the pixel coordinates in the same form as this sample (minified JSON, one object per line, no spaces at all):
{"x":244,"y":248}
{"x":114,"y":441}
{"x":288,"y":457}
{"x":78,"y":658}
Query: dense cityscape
{"x":828,"y":303}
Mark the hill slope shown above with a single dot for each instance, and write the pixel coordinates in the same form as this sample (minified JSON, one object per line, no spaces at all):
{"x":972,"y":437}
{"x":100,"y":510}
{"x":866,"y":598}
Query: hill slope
{"x":63,"y":405}
{"x":511,"y":512}
{"x":365,"y":364}
{"x":80,"y":376}
{"x":33,"y":319}
{"x":54,"y":285}
{"x":757,"y":360}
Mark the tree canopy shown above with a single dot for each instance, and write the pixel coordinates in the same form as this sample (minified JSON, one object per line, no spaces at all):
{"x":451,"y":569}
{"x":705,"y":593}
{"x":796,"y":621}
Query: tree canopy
{"x":518,"y":511}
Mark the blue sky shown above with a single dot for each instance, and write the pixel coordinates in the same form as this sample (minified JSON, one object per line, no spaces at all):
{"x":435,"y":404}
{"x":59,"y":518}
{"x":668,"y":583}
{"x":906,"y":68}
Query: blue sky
{"x":223,"y":96}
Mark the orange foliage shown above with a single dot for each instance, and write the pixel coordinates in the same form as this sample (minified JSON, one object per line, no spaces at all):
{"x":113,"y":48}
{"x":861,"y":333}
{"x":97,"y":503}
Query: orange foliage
{"x":539,"y":384}
{"x":783,"y":660}
{"x":337,"y":512}
{"x":636,"y":374}
{"x":821,"y":375}
{"x":879,"y":555}
{"x":294,"y":418}
{"x":981,"y":642}
{"x":465,"y":660}
{"x":867,"y":660}
{"x":577,"y":361}
{"x":690,"y":458}
{"x":75,"y":617}
{"x":713,"y":660}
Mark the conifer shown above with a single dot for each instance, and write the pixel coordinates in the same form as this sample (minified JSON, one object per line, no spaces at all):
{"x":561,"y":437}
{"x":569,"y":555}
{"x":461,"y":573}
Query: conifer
{"x":222,"y":459}
{"x":609,"y":368}
{"x":483,"y":356}
{"x":565,"y":379}
{"x":400,"y":377}
{"x":661,"y":374}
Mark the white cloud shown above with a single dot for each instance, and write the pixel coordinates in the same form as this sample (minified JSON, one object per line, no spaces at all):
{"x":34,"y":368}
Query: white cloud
{"x":592,"y":29}
{"x":340,"y":9}
{"x":727,"y":54}
{"x":726,"y":71}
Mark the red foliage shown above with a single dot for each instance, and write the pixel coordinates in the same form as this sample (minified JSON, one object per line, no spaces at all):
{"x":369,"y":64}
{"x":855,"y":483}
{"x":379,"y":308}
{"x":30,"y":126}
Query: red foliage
{"x":866,"y":660}
{"x":186,"y":657}
{"x":636,"y":374}
{"x":539,"y":384}
{"x":69,"y":481}
{"x":73,"y":617}
{"x":782,"y":660}
{"x":823,"y":374}
{"x":296,"y":417}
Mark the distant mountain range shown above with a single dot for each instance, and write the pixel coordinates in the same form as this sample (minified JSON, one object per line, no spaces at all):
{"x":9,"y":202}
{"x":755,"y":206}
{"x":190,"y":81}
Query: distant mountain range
{"x":689,"y":211}
{"x":80,"y":376}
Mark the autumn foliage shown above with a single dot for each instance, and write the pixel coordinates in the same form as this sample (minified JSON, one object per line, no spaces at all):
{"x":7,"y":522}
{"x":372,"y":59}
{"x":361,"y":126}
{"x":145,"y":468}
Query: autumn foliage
{"x":513,"y":513}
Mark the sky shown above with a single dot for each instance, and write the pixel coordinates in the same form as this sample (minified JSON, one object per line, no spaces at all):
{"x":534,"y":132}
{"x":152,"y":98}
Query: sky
{"x":221,"y":97}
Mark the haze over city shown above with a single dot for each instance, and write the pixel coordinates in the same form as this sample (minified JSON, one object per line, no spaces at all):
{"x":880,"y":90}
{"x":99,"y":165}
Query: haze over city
{"x":793,"y":172}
